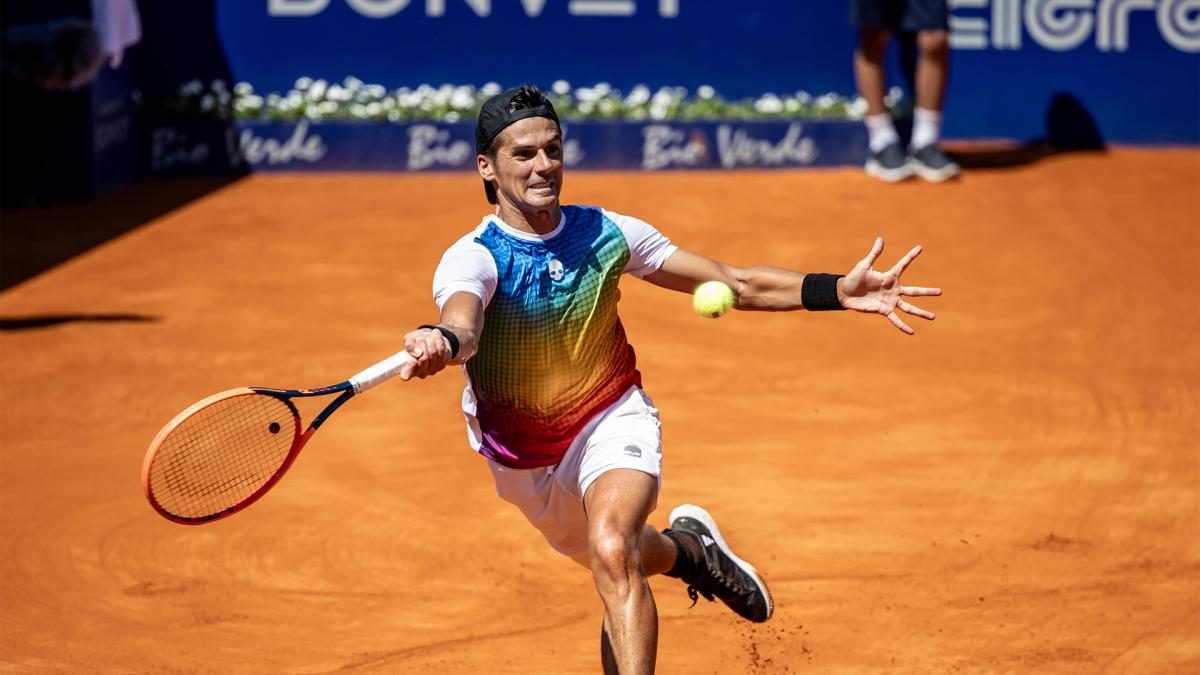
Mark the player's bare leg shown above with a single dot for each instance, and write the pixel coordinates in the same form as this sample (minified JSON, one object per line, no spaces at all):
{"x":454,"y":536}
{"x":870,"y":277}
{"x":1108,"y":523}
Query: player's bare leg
{"x":658,"y":556}
{"x":617,"y":506}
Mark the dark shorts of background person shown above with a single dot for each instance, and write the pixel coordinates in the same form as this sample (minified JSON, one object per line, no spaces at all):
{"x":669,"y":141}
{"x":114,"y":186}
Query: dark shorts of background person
{"x":901,"y":15}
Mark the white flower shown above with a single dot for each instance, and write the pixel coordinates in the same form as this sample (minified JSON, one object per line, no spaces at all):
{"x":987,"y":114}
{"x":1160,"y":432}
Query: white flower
{"x":453,"y":117}
{"x":243,"y":89}
{"x":358,"y":110}
{"x":247,"y":103}
{"x":337,"y":93}
{"x":191,"y":88}
{"x":218,"y":85}
{"x":893,"y":96}
{"x":388,"y":103}
{"x":294,"y":100}
{"x":602,"y":88}
{"x":857,"y":109}
{"x":659,"y":111}
{"x":706,"y":92}
{"x":463,"y":97}
{"x":352,"y":83}
{"x":664,"y":96}
{"x":490,"y":89}
{"x":769,"y":104}
{"x":207,"y":102}
{"x":561,"y":87}
{"x":640,"y":95}
{"x":326,"y":107}
{"x":375,"y":91}
{"x":826,"y":101}
{"x":374,"y":109}
{"x":316,"y":91}
{"x":803,"y":97}
{"x":303,"y":83}
{"x":586,"y":95}
{"x":393,"y":115}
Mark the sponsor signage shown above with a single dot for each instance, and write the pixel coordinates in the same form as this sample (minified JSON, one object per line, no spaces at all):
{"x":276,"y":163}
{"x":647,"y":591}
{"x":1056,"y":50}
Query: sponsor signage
{"x":358,"y":146}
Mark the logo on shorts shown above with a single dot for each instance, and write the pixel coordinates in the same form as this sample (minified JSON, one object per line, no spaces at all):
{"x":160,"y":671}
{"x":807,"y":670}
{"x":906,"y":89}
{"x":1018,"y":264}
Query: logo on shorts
{"x":555,"y":267}
{"x":633,"y":451}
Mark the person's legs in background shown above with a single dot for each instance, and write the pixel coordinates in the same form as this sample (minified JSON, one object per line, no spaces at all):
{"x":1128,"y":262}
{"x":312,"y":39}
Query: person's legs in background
{"x":886,"y":157}
{"x":930,"y":19}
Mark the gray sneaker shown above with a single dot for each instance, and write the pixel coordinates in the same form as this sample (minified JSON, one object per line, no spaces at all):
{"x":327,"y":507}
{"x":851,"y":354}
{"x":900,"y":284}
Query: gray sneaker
{"x":889,"y":164}
{"x":933,"y":165}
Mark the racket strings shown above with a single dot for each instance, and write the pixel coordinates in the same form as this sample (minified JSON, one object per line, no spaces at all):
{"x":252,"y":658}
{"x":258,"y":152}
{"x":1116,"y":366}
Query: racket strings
{"x":222,"y":454}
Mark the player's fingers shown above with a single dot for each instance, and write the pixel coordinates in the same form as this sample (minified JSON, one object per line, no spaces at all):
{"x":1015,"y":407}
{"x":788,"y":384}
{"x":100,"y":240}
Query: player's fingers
{"x":903,"y":263}
{"x":876,"y":251}
{"x":915,"y":311}
{"x":899,"y":324}
{"x":414,"y":345}
{"x":407,"y":370}
{"x":919,"y":290}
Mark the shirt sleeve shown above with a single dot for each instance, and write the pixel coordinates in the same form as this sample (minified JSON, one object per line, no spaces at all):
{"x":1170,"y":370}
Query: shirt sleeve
{"x":648,"y":248}
{"x":465,"y":267}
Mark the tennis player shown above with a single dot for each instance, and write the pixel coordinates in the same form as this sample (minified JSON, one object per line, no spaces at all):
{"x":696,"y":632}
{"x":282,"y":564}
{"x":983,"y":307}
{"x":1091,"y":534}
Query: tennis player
{"x":528,"y":302}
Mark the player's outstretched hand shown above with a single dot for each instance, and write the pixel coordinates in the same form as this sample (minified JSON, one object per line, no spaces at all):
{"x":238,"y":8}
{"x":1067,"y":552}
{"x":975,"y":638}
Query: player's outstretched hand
{"x":866,"y":289}
{"x":430,"y":351}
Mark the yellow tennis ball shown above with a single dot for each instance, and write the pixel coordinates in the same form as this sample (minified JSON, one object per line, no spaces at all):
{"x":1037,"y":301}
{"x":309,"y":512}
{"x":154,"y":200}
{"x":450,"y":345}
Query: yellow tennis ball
{"x":712,"y":299}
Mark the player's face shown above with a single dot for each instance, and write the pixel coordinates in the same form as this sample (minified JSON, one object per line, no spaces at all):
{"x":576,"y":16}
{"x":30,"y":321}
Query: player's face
{"x":528,"y":167}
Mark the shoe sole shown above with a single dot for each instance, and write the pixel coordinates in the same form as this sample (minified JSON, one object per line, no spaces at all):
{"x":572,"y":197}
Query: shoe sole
{"x":935,"y":175}
{"x":696,"y":513}
{"x":874,"y":168}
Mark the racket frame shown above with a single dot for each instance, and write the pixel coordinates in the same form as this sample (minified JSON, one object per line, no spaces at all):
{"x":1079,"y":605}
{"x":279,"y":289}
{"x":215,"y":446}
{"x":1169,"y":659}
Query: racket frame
{"x":367,"y":379}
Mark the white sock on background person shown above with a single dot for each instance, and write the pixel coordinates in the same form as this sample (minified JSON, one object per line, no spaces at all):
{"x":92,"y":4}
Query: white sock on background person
{"x":880,"y":131}
{"x":927,"y":128}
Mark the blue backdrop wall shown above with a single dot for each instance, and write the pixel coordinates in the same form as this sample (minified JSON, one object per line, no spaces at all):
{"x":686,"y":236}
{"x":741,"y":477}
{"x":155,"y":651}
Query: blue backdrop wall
{"x":1134,"y":64}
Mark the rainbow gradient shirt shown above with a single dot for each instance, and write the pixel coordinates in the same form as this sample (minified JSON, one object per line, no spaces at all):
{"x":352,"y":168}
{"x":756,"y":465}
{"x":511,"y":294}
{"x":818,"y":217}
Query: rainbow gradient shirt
{"x":553,"y":353}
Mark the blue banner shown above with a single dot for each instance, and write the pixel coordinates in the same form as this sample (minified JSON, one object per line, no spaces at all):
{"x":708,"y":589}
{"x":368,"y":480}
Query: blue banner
{"x":1132,"y":63}
{"x":208,"y":147}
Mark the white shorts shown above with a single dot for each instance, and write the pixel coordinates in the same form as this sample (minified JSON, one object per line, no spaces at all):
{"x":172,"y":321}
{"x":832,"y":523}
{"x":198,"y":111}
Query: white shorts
{"x":626,"y":435}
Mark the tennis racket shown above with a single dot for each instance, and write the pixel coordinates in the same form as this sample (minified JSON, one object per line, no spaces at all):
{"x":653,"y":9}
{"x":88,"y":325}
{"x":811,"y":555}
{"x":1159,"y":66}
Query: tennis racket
{"x":223,"y":453}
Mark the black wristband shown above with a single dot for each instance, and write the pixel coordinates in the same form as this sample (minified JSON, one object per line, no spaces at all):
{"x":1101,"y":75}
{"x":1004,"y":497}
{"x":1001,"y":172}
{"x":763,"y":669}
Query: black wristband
{"x":818,"y":293}
{"x":450,"y":337}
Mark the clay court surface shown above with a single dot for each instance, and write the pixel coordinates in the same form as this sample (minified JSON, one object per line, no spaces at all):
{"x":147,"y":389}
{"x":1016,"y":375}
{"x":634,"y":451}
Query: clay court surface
{"x":1016,"y":489}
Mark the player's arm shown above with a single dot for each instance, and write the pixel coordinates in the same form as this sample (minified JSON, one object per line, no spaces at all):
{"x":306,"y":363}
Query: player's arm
{"x":434,"y":348}
{"x":760,"y":287}
{"x":764,"y":288}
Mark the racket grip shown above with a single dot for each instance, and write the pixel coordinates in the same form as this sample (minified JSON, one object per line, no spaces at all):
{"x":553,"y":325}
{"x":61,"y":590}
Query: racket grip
{"x":380,"y":372}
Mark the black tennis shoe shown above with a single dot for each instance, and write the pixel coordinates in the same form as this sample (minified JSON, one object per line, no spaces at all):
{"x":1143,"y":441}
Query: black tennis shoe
{"x":720,"y":573}
{"x":932,"y":164}
{"x":890,"y":164}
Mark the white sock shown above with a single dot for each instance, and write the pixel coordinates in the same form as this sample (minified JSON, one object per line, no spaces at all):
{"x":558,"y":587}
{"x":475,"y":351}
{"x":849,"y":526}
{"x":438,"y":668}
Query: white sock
{"x":927,"y":128}
{"x":880,"y":131}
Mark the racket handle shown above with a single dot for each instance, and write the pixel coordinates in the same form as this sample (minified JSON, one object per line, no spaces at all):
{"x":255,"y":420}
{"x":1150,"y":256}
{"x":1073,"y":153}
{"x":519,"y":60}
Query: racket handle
{"x":380,"y":372}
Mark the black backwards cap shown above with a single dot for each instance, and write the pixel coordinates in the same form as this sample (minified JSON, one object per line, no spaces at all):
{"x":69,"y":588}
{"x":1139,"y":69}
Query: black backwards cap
{"x":503,"y":110}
